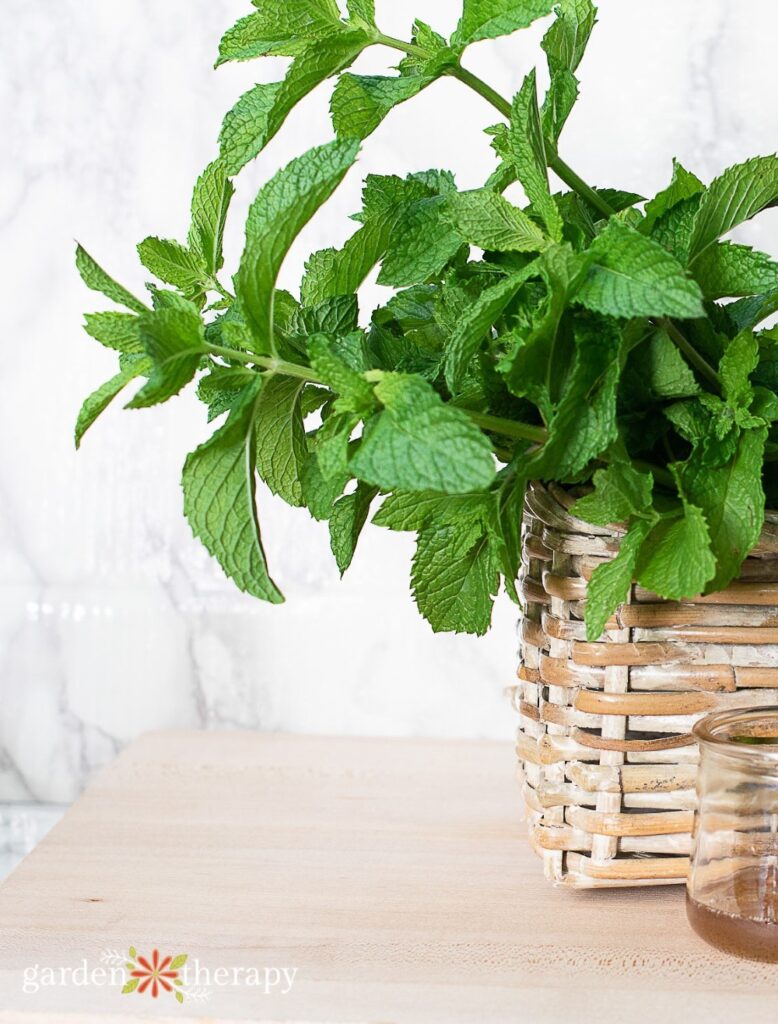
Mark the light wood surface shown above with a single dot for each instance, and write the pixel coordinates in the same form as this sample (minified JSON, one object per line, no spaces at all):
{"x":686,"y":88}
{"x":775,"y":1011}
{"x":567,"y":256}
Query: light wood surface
{"x":393,"y":874}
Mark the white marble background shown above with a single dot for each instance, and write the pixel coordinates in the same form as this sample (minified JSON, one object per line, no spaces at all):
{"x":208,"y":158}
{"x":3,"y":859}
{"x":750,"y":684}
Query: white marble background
{"x":112,"y":619}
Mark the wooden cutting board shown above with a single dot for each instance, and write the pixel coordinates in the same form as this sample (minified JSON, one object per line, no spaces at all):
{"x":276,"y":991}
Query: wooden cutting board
{"x":390,"y":878}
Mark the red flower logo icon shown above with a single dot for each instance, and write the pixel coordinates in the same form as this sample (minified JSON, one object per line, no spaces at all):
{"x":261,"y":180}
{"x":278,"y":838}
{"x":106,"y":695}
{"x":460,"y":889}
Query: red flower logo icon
{"x":154,"y":974}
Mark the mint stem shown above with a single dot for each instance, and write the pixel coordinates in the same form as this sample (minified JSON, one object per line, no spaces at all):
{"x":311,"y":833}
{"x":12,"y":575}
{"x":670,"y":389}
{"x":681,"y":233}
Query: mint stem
{"x":691,"y":353}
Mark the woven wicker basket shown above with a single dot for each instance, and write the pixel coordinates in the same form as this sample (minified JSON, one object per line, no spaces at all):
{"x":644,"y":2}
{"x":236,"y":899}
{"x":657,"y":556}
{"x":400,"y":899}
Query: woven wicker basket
{"x":608,"y":762}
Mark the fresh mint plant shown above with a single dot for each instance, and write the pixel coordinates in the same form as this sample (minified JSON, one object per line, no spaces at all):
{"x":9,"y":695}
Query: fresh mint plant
{"x":589,"y":336}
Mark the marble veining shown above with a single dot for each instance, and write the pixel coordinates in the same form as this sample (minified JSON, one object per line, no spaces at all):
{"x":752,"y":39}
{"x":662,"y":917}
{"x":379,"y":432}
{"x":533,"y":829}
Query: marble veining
{"x":112,"y":619}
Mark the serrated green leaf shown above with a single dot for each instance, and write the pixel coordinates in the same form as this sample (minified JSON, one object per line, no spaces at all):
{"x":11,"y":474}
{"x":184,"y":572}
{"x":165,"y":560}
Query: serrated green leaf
{"x":734,"y":197}
{"x":174,"y":339}
{"x":610,"y":583}
{"x":683,"y":186}
{"x":94,"y":277}
{"x":210,"y":204}
{"x":221,"y":388}
{"x":117,"y":331}
{"x":676,"y":560}
{"x":280,"y":211}
{"x":281,"y":444}
{"x":281,"y":28}
{"x":583,"y":422}
{"x":523,"y":145}
{"x":363,"y":10}
{"x":331,"y":272}
{"x":732,"y":500}
{"x":99,"y":400}
{"x":735,"y":368}
{"x":245,"y":128}
{"x":418,"y":443}
{"x":488,"y":19}
{"x":219,"y":483}
{"x":477,"y":321}
{"x":349,"y":515}
{"x":728,"y":270}
{"x":558,"y":104}
{"x":355,"y":394}
{"x":486,"y":219}
{"x":319,"y":491}
{"x":528,"y":366}
{"x":620,"y":491}
{"x":454,"y":588}
{"x":259,"y":113}
{"x":634,"y":276}
{"x":565,"y":42}
{"x":663,"y":369}
{"x":421,"y":244}
{"x":251,"y":37}
{"x":172,"y":263}
{"x":360,"y":102}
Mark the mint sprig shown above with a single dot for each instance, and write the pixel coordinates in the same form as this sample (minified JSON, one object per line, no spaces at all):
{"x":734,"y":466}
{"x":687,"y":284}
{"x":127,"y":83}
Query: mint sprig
{"x":586,"y":336}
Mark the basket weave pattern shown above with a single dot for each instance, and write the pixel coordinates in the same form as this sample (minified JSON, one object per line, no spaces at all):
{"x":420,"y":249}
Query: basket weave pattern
{"x":604,"y":743}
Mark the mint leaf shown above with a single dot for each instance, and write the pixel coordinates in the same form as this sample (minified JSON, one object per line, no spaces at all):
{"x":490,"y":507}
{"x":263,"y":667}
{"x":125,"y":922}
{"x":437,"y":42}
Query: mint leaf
{"x":418,"y":443}
{"x":222,"y":387}
{"x":565,"y":44}
{"x":174,"y":339}
{"x":620,"y":491}
{"x":455,"y":578}
{"x":280,"y":28}
{"x":488,"y":19}
{"x":421,"y":244}
{"x":727,"y":270}
{"x":245,"y":129}
{"x":663,"y":370}
{"x":486,"y":219}
{"x":356,"y":395}
{"x":675,"y":559}
{"x":583,"y":422}
{"x":476,"y":322}
{"x":566,"y":40}
{"x":172,"y":263}
{"x":362,"y":10}
{"x":281,"y":444}
{"x":331,"y":272}
{"x":528,"y":366}
{"x":610,"y":583}
{"x":94,"y":277}
{"x":252,"y":37}
{"x":732,"y":500}
{"x":683,"y":186}
{"x":361,"y":102}
{"x":523,"y":145}
{"x":220,"y":500}
{"x":634,"y":276}
{"x":118,"y":331}
{"x":735,"y":196}
{"x":280,"y":211}
{"x":99,"y":400}
{"x":210,"y":204}
{"x":735,"y":368}
{"x":259,"y":113}
{"x":349,"y":515}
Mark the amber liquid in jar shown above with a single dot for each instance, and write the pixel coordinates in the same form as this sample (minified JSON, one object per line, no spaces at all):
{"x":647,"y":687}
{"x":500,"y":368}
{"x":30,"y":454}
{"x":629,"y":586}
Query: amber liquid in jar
{"x":745,"y":925}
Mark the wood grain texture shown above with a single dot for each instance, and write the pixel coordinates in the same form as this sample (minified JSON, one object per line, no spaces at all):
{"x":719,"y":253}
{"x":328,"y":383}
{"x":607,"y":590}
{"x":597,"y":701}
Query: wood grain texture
{"x":394,"y":874}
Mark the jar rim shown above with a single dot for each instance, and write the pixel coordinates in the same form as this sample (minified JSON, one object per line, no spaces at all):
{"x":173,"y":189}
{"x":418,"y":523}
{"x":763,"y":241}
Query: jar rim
{"x":717,"y":731}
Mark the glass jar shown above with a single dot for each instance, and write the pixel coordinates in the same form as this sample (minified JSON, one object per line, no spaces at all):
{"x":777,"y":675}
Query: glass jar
{"x":732,"y":887}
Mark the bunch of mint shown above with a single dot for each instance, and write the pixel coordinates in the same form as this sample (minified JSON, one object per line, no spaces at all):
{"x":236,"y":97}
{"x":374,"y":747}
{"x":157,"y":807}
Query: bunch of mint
{"x":579,"y":338}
